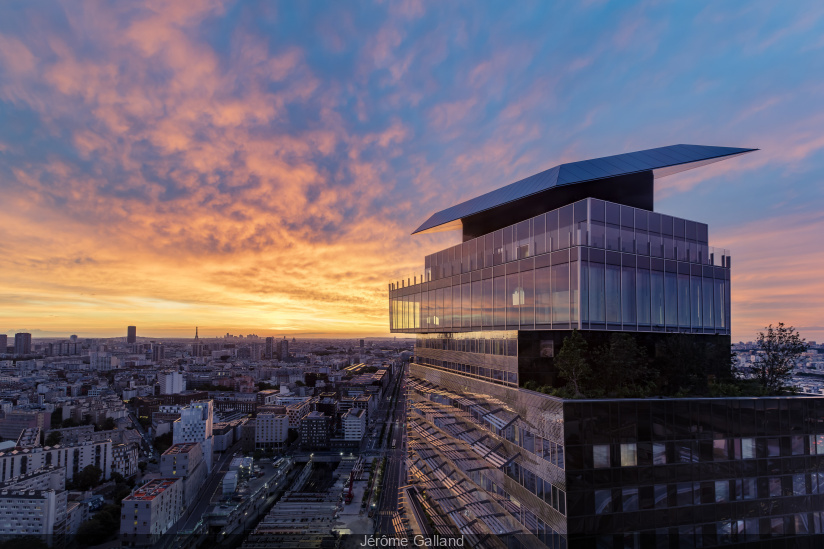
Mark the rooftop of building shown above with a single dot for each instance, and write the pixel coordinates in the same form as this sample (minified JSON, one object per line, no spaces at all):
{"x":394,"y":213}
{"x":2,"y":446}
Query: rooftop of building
{"x":151,"y":489}
{"x":659,"y":162}
{"x":356,"y":412}
{"x":180,"y":448}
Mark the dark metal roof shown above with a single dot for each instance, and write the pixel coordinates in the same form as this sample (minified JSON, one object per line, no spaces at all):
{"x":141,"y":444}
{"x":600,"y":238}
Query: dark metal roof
{"x":662,"y":161}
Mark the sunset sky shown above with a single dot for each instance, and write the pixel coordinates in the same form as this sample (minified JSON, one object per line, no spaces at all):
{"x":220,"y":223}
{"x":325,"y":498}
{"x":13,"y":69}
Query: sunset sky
{"x":258,"y":167}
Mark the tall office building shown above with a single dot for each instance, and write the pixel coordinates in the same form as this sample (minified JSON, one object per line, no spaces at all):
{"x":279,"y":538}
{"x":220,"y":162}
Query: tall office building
{"x":22,"y":344}
{"x":158,"y":352}
{"x":579,"y":247}
{"x":131,"y":334}
{"x":196,"y":425}
{"x":283,"y":351}
{"x":4,"y":343}
{"x":269,"y":353}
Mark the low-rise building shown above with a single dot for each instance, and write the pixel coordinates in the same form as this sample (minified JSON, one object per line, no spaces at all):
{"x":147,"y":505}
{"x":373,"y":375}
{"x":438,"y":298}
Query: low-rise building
{"x":354,"y":425}
{"x":125,"y":459}
{"x":34,"y":504}
{"x":150,"y":511}
{"x":315,"y":431}
{"x":296,"y":411}
{"x":185,"y":461}
{"x":271,"y":431}
{"x":73,"y":457}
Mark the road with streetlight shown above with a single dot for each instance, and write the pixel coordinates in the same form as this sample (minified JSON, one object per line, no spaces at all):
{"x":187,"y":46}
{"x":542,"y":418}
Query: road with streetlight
{"x":395,"y":473}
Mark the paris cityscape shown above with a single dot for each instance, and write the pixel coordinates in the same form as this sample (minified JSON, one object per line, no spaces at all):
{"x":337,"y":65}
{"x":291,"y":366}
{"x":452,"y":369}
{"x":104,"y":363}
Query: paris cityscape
{"x":410,"y":274}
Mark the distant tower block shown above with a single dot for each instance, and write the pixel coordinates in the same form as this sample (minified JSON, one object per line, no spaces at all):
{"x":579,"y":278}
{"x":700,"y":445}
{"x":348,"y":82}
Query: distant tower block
{"x":131,"y":336}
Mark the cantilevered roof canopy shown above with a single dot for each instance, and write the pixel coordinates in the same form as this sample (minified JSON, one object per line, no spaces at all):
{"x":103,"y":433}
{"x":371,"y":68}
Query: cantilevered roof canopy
{"x":662,"y":161}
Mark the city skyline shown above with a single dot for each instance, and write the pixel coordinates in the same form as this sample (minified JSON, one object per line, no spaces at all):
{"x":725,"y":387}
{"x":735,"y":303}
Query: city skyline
{"x":207,"y":165}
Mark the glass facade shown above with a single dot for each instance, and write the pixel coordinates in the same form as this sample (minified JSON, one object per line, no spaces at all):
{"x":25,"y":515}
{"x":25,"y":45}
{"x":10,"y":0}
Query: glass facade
{"x":622,"y":472}
{"x":693,"y":472}
{"x":591,"y":265}
{"x":497,"y":459}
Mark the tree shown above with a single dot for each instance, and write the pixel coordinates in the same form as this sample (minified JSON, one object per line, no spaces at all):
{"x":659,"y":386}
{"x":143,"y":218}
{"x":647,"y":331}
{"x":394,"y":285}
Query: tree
{"x":623,"y":367}
{"x":88,"y":477}
{"x":163,"y":442}
{"x":69,"y":422}
{"x":57,"y":416}
{"x":780,"y":349}
{"x":108,"y":424}
{"x":54,"y":438}
{"x":572,"y":363}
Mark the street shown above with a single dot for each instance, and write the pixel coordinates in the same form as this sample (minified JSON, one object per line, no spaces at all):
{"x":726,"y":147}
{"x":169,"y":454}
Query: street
{"x":193,"y":515}
{"x":395,"y":474}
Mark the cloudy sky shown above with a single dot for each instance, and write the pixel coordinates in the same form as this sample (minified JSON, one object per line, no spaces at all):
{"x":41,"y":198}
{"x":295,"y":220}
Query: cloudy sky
{"x":257,"y":167}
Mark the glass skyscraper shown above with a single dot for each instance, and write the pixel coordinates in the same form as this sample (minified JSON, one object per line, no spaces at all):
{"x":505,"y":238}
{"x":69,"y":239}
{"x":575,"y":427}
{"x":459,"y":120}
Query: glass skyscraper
{"x":580,"y":247}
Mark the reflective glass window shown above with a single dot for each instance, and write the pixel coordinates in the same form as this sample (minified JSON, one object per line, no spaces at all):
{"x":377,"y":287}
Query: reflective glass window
{"x":489,"y":250}
{"x":466,"y":305}
{"x":612,"y":292}
{"x":513,"y":301}
{"x":684,"y":300}
{"x":643,"y":296}
{"x":509,"y":244}
{"x":499,"y":301}
{"x":560,"y":293}
{"x":539,"y":234}
{"x":706,"y":296}
{"x":683,"y":493}
{"x":600,"y":455}
{"x":583,"y":291}
{"x":660,"y":495}
{"x":598,"y":234}
{"x":749,"y":488}
{"x":656,"y":245}
{"x":613,"y":237}
{"x":718,"y":304}
{"x":446,"y":312}
{"x":603,"y":501}
{"x":722,"y":491}
{"x":552,"y":231}
{"x":629,"y":499}
{"x":719,"y":450}
{"x":477,"y":303}
{"x":774,"y":486}
{"x":628,"y":294}
{"x":696,"y":301}
{"x":627,"y":240}
{"x":799,"y":484}
{"x":573,"y":291}
{"x":528,"y":296}
{"x":642,"y":242}
{"x":543,"y":296}
{"x":773,"y":447}
{"x":456,"y":306}
{"x":669,"y":247}
{"x":524,"y":244}
{"x":629,"y":455}
{"x":659,"y":453}
{"x":797,"y":445}
{"x":671,"y":297}
{"x":498,"y":247}
{"x":565,"y":226}
{"x":657,"y":297}
{"x":596,"y":293}
{"x":747,"y":448}
{"x":681,"y":249}
{"x":487,"y":302}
